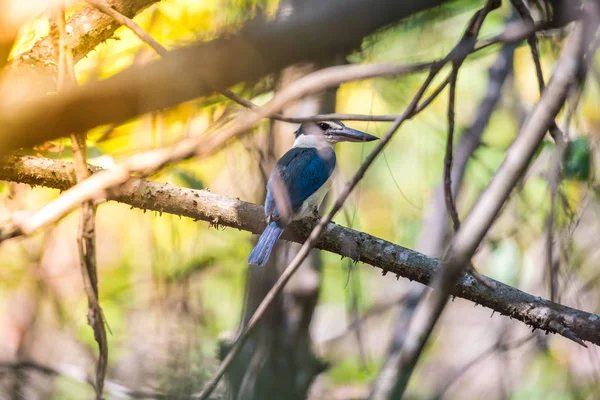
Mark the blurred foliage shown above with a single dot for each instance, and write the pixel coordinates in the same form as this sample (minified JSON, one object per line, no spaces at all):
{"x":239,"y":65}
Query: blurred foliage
{"x":577,"y":159}
{"x":170,"y":286}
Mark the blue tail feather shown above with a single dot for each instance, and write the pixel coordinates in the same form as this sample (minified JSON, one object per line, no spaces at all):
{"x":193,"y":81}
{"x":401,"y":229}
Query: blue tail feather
{"x":267,"y":240}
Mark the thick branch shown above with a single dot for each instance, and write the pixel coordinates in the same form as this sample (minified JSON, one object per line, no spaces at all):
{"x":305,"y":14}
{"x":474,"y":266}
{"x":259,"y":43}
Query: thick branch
{"x":88,"y":28}
{"x":202,"y":205}
{"x":258,"y":49}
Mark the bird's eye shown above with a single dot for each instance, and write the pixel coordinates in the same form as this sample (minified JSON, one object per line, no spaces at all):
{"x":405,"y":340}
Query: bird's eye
{"x":323,"y":126}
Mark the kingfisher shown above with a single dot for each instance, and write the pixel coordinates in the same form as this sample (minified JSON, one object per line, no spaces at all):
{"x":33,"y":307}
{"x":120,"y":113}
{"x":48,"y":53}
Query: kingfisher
{"x":300,"y":179}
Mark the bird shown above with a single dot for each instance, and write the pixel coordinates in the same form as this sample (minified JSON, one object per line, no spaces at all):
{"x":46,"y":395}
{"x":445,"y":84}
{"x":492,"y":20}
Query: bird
{"x":300,"y":180}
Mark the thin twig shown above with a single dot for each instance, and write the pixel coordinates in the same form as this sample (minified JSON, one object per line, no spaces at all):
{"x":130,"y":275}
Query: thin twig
{"x":373,"y":311}
{"x":86,"y":234}
{"x":448,"y":195}
{"x":532,"y":41}
{"x":499,"y":346}
{"x":334,"y":116}
{"x":555,"y":176}
{"x":102,"y":6}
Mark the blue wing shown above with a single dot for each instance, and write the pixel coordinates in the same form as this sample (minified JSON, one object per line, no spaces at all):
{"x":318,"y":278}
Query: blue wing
{"x":303,"y":171}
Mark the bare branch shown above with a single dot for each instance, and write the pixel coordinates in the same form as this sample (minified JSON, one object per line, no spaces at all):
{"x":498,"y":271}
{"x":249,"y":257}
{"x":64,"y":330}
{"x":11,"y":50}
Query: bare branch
{"x":318,"y":117}
{"x":531,"y":40}
{"x":128,"y":22}
{"x":390,"y":258}
{"x":487,"y":208}
{"x":431,"y":240}
{"x":448,"y":195}
{"x":396,"y":371}
{"x":344,"y":117}
{"x":86,"y":238}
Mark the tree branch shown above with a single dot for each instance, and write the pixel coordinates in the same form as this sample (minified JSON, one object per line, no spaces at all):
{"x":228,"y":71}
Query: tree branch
{"x":86,"y":236}
{"x":88,"y":28}
{"x":390,"y":258}
{"x":129,"y":23}
{"x":485,"y":211}
{"x":200,"y":69}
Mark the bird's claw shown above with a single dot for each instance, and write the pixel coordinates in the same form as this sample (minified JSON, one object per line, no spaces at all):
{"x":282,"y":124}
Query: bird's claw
{"x":316,"y":214}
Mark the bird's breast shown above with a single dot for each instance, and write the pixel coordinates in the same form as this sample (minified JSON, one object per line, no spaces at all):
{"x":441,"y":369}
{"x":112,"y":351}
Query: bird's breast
{"x":314,"y":200}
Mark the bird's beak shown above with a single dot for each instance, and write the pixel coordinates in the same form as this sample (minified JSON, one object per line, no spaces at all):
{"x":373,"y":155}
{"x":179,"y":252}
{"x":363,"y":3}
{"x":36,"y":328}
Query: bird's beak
{"x":352,"y":135}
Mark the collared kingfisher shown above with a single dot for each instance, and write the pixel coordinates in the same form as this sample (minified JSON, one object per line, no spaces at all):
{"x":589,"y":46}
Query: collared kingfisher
{"x":300,"y":179}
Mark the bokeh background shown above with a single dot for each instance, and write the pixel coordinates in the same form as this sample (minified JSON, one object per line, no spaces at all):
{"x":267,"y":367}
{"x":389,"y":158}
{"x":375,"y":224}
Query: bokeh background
{"x":171,"y":288}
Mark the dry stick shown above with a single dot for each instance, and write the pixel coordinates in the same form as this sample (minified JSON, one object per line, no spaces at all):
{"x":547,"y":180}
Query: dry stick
{"x":468,"y":40}
{"x":312,"y":239}
{"x":499,"y":346}
{"x":86,"y":235}
{"x":490,"y":202}
{"x":390,"y":258}
{"x":448,"y":195}
{"x":557,"y":135}
{"x":128,"y":22}
{"x":318,"y":117}
{"x":335,"y":116}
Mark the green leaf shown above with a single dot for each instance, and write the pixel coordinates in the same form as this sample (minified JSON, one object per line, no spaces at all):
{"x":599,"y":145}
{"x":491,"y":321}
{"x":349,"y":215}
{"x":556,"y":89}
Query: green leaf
{"x":577,"y":160}
{"x":187,"y":179}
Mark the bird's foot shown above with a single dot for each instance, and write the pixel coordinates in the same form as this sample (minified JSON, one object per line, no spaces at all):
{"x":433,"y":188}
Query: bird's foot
{"x":316,"y":214}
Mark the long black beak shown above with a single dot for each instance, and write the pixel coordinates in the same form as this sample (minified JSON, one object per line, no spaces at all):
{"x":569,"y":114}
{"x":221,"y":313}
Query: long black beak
{"x":353,"y":135}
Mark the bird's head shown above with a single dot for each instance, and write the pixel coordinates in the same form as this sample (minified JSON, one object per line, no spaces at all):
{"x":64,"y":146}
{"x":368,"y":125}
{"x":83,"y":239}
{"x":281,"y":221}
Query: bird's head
{"x":332,"y":132}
